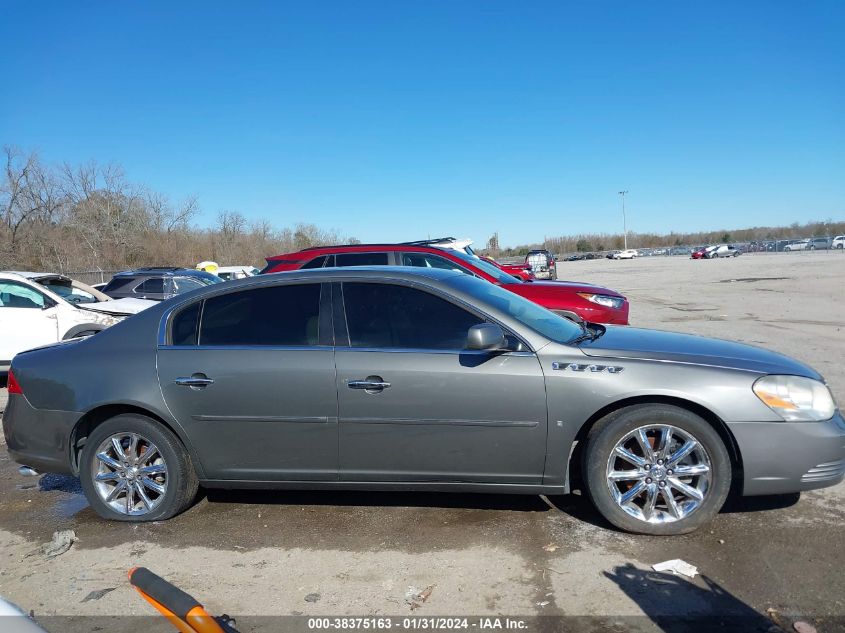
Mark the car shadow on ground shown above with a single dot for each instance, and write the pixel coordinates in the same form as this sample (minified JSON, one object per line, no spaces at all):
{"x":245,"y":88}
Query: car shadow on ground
{"x":405,"y":499}
{"x":575,"y":505}
{"x":676,"y":605}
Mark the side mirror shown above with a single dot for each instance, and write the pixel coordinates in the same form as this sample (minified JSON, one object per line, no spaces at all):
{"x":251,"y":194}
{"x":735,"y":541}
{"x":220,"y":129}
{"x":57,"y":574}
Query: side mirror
{"x":487,"y":336}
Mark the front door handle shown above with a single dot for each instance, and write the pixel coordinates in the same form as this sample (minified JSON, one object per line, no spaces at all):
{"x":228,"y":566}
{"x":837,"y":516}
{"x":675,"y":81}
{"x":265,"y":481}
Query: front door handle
{"x":197,"y":381}
{"x":371,"y":384}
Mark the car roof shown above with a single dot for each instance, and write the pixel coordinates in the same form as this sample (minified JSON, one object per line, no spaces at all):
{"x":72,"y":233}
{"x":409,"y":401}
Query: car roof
{"x":161,"y":271}
{"x":379,"y":272}
{"x":227,"y":269}
{"x":316,"y":251}
{"x":33,"y":275}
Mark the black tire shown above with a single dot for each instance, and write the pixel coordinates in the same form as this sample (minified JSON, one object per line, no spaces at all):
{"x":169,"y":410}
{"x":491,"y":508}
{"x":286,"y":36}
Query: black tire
{"x":608,"y":431}
{"x":182,"y":482}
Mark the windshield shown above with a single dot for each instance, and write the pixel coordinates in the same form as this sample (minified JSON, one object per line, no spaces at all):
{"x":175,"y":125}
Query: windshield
{"x":68,"y":292}
{"x":491,"y":269}
{"x":533,"y":316}
{"x":205,"y":278}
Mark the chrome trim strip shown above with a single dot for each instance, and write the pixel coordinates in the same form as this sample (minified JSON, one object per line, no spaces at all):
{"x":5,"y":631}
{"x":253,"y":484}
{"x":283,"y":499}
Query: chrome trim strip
{"x":455,"y":352}
{"x":261,"y":418}
{"x":275,"y":348}
{"x":443,"y":422}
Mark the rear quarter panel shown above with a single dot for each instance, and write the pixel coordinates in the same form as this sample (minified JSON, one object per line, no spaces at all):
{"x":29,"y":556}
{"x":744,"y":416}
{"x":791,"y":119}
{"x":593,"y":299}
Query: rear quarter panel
{"x":114,"y":367}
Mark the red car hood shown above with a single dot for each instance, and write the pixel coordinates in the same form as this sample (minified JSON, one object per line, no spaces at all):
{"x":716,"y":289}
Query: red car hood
{"x":551,"y":288}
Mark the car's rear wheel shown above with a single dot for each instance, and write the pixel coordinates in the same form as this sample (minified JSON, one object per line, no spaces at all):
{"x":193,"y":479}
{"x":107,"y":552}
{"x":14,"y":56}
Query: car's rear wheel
{"x":133,"y":468}
{"x":656,"y":469}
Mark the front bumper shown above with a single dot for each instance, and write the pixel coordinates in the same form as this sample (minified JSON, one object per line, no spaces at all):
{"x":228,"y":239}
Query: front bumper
{"x":785,"y":457}
{"x":38,"y":438}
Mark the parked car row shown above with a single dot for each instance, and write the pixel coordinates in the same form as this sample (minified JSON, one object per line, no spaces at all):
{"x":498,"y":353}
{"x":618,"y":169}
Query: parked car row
{"x":41,"y":308}
{"x":814,"y":243}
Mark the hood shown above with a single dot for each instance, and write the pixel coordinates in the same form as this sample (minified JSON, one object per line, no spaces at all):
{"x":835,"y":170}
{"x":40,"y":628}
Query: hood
{"x":628,"y":342}
{"x":120,"y":307}
{"x":550,"y":288}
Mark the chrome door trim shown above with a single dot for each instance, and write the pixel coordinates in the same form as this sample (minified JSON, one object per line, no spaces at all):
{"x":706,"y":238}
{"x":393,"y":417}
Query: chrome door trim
{"x":441,"y":422}
{"x":261,"y":418}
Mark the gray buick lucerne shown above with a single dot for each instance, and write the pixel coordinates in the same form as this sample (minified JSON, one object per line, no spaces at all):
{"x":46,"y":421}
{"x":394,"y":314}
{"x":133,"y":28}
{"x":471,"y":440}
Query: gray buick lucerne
{"x":415,"y":379}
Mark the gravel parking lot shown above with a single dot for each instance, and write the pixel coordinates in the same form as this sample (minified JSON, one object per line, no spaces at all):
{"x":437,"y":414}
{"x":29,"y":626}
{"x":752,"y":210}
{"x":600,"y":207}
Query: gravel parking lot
{"x":763,"y":561}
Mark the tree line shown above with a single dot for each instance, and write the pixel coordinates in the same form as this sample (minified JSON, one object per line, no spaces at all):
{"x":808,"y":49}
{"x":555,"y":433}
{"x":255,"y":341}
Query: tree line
{"x":595,"y":242}
{"x":70,"y":218}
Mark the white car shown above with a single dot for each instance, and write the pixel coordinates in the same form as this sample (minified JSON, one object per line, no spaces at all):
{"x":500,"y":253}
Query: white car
{"x":723,"y":250}
{"x":838,"y":242}
{"x":796,"y":245}
{"x":41,"y":308}
{"x":626,"y":254}
{"x":236,"y":272}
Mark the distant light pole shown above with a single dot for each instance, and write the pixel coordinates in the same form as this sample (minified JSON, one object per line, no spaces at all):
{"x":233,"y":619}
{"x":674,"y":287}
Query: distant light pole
{"x":624,"y":221}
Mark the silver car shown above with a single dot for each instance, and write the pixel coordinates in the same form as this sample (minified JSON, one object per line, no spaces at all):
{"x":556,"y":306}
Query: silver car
{"x":416,"y":379}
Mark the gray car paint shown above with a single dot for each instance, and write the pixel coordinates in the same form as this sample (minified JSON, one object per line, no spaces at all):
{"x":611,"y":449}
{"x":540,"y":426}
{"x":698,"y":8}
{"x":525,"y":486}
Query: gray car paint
{"x":459,"y":420}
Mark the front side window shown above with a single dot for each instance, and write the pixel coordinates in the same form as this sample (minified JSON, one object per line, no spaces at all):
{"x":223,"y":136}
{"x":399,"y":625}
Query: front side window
{"x":427,"y":260}
{"x":361,"y":259}
{"x":15,"y":295}
{"x":272,"y":316}
{"x":67,"y":292}
{"x":533,"y":316}
{"x":392,"y":316}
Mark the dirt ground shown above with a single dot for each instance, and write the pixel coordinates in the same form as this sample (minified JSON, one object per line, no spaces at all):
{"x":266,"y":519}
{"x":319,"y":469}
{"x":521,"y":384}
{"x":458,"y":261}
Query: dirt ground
{"x":763,"y":560}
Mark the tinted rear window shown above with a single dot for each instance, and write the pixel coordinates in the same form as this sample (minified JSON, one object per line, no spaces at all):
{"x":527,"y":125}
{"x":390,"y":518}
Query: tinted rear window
{"x":361,"y":259}
{"x":184,"y":328}
{"x":317,"y":262}
{"x":279,"y":315}
{"x":153,"y":285}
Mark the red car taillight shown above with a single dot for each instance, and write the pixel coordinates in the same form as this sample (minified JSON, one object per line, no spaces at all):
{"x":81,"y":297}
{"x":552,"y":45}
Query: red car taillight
{"x":13,"y":385}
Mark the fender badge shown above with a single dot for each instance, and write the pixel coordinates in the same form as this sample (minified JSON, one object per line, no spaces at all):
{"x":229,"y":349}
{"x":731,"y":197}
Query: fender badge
{"x":580,"y":367}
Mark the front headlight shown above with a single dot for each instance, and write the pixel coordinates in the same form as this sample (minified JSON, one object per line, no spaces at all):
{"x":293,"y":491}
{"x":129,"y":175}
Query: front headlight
{"x":603,"y":300}
{"x":796,"y":399}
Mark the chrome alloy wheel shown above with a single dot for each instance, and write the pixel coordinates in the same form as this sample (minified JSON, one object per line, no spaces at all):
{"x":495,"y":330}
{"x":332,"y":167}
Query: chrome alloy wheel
{"x":130,"y":474}
{"x":659,"y":473}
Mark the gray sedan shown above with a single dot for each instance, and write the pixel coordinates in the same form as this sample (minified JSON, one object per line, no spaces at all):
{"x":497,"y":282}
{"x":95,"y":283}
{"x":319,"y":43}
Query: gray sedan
{"x":416,"y":379}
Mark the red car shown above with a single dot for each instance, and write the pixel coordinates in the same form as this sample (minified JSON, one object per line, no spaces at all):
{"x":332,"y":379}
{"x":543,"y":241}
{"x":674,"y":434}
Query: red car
{"x":522,"y":271}
{"x":569,"y":299}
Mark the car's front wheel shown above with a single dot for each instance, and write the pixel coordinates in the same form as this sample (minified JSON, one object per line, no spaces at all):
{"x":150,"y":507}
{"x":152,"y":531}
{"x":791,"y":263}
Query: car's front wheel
{"x":133,"y":468}
{"x":656,"y":469}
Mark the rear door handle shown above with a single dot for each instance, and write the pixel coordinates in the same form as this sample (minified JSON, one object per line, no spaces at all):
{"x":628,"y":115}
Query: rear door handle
{"x":370,"y":383}
{"x":197,"y":381}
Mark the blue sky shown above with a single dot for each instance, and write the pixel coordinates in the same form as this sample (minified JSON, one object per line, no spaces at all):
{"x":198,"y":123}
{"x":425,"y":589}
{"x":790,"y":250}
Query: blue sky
{"x":395,"y":120}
